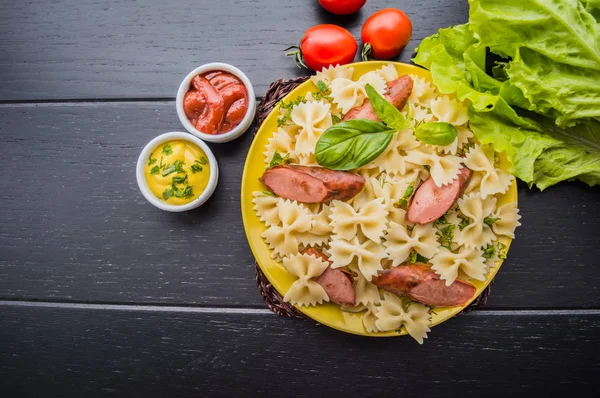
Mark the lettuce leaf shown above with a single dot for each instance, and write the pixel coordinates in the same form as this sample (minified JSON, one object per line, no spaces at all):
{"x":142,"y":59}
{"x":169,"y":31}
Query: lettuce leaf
{"x":541,"y":106}
{"x":555,"y":50}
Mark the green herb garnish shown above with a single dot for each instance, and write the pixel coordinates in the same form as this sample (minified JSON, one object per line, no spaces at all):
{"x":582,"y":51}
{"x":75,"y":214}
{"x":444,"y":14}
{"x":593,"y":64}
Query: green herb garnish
{"x":167,"y":150}
{"x":490,"y":220}
{"x":415,"y":257}
{"x":352,"y":143}
{"x":202,"y":160}
{"x":387,"y":112}
{"x":446,"y":235}
{"x":167,"y":193}
{"x":176,"y":167}
{"x":278,"y":160}
{"x":195,"y":168}
{"x":489,"y":251}
{"x":335,"y":119}
{"x":403,"y":201}
{"x":267,"y":193}
{"x":440,"y":221}
{"x":154,"y":170}
{"x":180,"y":179}
{"x":464,"y":222}
{"x":151,"y":160}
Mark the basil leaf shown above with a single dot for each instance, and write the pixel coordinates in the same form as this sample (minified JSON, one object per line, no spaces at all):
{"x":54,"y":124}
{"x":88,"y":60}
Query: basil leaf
{"x":436,"y":133}
{"x":352,"y":144}
{"x":386,"y":111}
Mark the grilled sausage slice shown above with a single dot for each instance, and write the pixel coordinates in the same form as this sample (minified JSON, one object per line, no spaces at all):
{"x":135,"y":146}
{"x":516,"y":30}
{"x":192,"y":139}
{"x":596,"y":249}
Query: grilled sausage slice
{"x":430,"y":202}
{"x":337,"y":283}
{"x":397,"y":94}
{"x":312,"y":184}
{"x":421,"y":283}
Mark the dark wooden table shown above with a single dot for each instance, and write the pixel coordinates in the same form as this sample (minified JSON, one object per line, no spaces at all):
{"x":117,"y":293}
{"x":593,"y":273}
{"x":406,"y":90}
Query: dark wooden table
{"x":101,"y":293}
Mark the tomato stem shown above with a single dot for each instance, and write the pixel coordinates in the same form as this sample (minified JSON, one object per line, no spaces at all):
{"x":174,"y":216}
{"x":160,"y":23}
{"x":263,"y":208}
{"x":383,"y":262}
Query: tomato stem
{"x":366,"y":52}
{"x":297,"y":53}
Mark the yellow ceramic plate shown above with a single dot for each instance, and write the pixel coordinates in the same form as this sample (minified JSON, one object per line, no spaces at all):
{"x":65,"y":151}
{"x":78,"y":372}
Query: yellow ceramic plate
{"x":328,"y":314}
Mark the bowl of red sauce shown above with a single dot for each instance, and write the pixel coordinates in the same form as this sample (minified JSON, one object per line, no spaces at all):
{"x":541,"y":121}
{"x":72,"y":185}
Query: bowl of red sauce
{"x":216,"y":103}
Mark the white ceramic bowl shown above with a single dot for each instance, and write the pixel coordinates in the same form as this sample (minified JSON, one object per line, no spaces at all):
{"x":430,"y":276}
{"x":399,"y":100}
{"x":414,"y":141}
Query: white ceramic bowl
{"x":238,"y":130}
{"x":151,"y":146}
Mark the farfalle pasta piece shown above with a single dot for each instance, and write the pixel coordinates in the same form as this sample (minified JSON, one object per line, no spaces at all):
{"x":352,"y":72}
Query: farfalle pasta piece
{"x":461,"y":139}
{"x":450,"y":111}
{"x":294,"y":218}
{"x":327,"y":75}
{"x":494,"y":180}
{"x":392,"y":161}
{"x":469,"y":260}
{"x":507,"y":219}
{"x":347,"y":93}
{"x":388,"y":72}
{"x":477,"y":233}
{"x":265,"y":206}
{"x":305,"y":291}
{"x":391,"y":189}
{"x":366,"y":292}
{"x":399,"y":242}
{"x":423,"y":92}
{"x":281,"y":142}
{"x":368,"y":255}
{"x":395,"y":312}
{"x":375,"y":80}
{"x":370,"y":319}
{"x":320,"y":231}
{"x":313,"y":118}
{"x":307,"y":160}
{"x":371,"y":219}
{"x":367,"y":194}
{"x":443,"y":169}
{"x":421,"y":114}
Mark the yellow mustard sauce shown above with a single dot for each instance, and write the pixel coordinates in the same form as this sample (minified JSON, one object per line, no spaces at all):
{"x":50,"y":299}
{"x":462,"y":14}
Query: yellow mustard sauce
{"x":177,"y":172}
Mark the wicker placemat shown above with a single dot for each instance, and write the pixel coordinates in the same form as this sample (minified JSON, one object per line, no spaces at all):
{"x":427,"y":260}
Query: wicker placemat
{"x":277,"y":90}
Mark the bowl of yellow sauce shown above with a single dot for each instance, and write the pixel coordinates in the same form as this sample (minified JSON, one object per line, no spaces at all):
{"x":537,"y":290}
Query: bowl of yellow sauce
{"x":177,"y":172}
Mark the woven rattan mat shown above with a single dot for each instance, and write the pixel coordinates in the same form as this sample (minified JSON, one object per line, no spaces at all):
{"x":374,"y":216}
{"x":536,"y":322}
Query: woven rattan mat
{"x":277,"y":90}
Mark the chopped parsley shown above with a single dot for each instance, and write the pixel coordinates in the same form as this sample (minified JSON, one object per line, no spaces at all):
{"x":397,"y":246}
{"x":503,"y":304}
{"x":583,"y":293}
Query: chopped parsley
{"x":464,"y":222}
{"x":407,"y":194}
{"x":278,"y":160}
{"x":415,"y":257}
{"x":490,"y":220}
{"x":183,"y":192}
{"x":151,"y":160}
{"x":180,"y":179}
{"x":202,"y":160}
{"x":489,"y":251}
{"x":154,"y":170}
{"x":287,"y":107}
{"x":267,"y":193}
{"x":440,"y":221}
{"x":167,"y":193}
{"x":335,"y":119}
{"x":167,"y":150}
{"x":195,"y":168}
{"x":446,"y":235}
{"x":176,"y":167}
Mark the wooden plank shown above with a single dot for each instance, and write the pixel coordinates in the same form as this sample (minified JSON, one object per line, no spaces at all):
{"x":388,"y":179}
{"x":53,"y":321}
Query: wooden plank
{"x":75,"y":352}
{"x":122,"y":49}
{"x":75,"y":227}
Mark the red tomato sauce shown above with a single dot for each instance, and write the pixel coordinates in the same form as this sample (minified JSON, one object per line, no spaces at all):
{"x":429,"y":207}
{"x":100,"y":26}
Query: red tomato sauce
{"x":216,"y":102}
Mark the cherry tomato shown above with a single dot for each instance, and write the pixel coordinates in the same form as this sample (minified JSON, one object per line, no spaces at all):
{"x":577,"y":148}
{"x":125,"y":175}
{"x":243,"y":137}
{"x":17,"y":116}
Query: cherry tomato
{"x":325,"y":45}
{"x":342,"y":7}
{"x":386,"y":33}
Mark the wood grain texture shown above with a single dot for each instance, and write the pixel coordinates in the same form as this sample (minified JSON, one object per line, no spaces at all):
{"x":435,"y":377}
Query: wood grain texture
{"x":75,"y":226}
{"x":74,"y":352}
{"x":137,"y":49}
